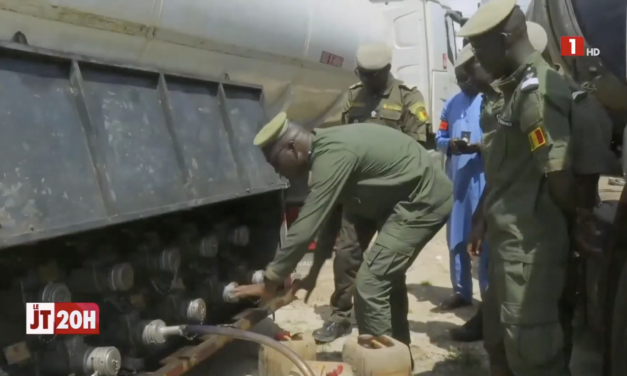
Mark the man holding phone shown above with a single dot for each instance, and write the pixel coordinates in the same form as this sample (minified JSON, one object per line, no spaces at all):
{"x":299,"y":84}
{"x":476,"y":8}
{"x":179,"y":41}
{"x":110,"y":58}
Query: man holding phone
{"x":459,"y":137}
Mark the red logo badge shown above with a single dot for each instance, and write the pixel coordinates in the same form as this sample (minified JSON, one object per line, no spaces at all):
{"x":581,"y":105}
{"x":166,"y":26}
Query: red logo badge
{"x":62,"y":318}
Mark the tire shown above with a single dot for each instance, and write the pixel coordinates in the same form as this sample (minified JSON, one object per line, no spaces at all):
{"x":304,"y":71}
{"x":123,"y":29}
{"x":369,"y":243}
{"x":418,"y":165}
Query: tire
{"x":619,"y":328}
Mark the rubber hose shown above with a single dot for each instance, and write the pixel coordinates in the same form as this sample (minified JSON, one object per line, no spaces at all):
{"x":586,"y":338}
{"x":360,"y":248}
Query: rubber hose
{"x":253,"y":337}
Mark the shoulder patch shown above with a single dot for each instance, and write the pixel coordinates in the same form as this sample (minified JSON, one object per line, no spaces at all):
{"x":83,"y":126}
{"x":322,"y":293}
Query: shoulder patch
{"x":356,"y":86}
{"x":536,"y":138}
{"x":418,"y":109}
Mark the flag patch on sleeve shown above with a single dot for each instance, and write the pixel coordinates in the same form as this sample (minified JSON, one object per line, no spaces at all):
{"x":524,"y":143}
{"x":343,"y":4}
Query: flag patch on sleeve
{"x":444,"y":125}
{"x":536,"y":138}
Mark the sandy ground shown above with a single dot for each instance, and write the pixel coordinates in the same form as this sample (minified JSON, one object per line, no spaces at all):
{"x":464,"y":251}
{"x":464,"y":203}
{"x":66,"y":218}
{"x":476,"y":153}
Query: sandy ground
{"x":435,"y":355}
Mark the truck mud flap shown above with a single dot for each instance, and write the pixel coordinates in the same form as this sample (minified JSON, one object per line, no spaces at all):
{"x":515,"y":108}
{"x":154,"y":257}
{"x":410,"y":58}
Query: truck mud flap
{"x":86,"y":143}
{"x":187,"y":358}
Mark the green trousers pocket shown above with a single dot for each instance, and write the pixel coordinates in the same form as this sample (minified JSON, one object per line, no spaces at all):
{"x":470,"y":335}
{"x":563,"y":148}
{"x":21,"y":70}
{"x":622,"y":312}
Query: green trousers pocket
{"x":533,"y":335}
{"x":386,"y":263}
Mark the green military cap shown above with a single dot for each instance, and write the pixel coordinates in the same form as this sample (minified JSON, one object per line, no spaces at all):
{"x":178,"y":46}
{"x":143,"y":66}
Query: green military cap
{"x":537,"y":36}
{"x":464,"y":56}
{"x":373,"y":56}
{"x":272,"y":131}
{"x":487,"y":17}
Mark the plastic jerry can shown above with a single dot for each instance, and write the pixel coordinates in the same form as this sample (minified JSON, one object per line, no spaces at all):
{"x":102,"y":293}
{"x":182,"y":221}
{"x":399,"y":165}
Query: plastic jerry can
{"x":325,"y":369}
{"x":273,"y":363}
{"x":377,"y":356}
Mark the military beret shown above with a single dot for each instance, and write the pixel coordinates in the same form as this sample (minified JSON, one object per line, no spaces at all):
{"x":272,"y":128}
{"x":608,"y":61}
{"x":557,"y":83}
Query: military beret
{"x":465,"y":55}
{"x":272,"y":131}
{"x":537,"y":36}
{"x":373,"y":56}
{"x":487,"y":17}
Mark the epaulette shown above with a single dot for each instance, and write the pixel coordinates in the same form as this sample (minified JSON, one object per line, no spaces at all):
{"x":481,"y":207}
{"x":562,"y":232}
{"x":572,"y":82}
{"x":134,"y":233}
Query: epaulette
{"x":403,"y":86}
{"x":580,"y":95}
{"x":357,"y":85}
{"x":531,"y":81}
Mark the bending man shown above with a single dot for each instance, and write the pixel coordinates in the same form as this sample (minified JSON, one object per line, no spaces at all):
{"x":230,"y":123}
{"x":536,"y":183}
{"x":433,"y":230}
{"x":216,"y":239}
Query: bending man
{"x":375,"y":172}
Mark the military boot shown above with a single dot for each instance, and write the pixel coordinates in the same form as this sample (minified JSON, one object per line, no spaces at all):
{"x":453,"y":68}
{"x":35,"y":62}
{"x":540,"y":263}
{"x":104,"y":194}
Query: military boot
{"x":331,"y":331}
{"x":471,"y":331}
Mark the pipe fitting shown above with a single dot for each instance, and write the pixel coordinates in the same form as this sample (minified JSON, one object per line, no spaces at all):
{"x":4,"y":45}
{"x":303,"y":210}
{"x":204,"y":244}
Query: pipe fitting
{"x":152,"y":333}
{"x":227,"y":294}
{"x":103,"y":361}
{"x":196,"y":310}
{"x":209,"y":246}
{"x":258,"y":276}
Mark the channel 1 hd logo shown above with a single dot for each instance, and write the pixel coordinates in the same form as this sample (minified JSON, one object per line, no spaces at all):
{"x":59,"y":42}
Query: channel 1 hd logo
{"x":575,"y":46}
{"x":62,"y":318}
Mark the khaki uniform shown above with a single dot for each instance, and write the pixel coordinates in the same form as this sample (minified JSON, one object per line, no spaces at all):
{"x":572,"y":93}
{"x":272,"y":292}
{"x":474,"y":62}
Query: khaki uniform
{"x":591,"y":133}
{"x":386,"y":177}
{"x":526,"y":135}
{"x":398,"y":107}
{"x":591,"y":156}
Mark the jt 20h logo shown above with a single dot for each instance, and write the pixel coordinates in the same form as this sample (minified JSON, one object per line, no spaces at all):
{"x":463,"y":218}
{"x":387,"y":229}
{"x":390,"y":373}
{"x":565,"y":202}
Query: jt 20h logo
{"x":62,"y":318}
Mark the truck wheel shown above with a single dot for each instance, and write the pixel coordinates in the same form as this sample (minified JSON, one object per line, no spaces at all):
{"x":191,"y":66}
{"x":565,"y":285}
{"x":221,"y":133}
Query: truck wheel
{"x":619,"y":328}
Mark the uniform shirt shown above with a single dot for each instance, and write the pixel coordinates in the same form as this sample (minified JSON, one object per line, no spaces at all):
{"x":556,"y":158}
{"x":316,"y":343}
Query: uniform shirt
{"x":373,"y":171}
{"x":526,"y":136}
{"x":591,"y":129}
{"x":460,"y":114}
{"x":398,"y":107}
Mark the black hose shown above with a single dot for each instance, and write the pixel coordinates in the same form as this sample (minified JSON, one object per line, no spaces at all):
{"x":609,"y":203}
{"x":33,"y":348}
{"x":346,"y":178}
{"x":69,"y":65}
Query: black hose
{"x":302,"y":366}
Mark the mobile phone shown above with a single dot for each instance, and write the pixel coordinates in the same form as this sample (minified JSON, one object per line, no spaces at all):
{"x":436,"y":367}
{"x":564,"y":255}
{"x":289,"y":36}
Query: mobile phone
{"x":466,"y":137}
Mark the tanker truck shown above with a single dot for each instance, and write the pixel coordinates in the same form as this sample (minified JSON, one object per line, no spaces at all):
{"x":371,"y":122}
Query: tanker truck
{"x":603,"y":276}
{"x":128,"y":177}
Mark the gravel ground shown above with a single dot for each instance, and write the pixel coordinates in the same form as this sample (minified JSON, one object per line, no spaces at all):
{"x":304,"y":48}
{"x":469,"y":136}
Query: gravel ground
{"x":435,"y":355}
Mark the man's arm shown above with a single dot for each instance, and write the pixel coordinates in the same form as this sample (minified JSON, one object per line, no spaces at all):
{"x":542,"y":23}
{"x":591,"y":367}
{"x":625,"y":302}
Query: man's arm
{"x":330,"y":172}
{"x":326,"y":240}
{"x":547,"y":126}
{"x":478,"y":225}
{"x":442,"y":137}
{"x":346,"y":106}
{"x":415,"y":120}
{"x":478,"y":217}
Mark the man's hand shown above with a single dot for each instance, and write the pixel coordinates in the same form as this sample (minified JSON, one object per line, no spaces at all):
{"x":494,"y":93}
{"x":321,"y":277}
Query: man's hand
{"x":475,"y":239}
{"x":585,"y":237}
{"x":262,"y":291}
{"x":470,"y":149}
{"x":454,"y":146}
{"x":308,"y":284}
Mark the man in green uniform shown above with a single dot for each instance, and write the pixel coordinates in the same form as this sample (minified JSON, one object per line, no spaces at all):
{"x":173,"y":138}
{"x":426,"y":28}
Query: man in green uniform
{"x":591,"y":130}
{"x":374,"y":172}
{"x":529,"y":200}
{"x":378,"y":98}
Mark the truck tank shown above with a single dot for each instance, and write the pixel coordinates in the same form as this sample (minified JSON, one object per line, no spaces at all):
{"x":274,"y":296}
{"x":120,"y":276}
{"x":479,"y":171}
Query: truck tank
{"x":128,"y":176}
{"x":301,"y":52}
{"x":133,"y":188}
{"x":602,"y":24}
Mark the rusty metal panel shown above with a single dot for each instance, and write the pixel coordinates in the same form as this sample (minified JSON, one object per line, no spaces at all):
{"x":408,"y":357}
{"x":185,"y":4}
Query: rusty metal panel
{"x":209,"y":161}
{"x":245,"y":117}
{"x":46,"y":176}
{"x":132,"y":138}
{"x":86,"y":144}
